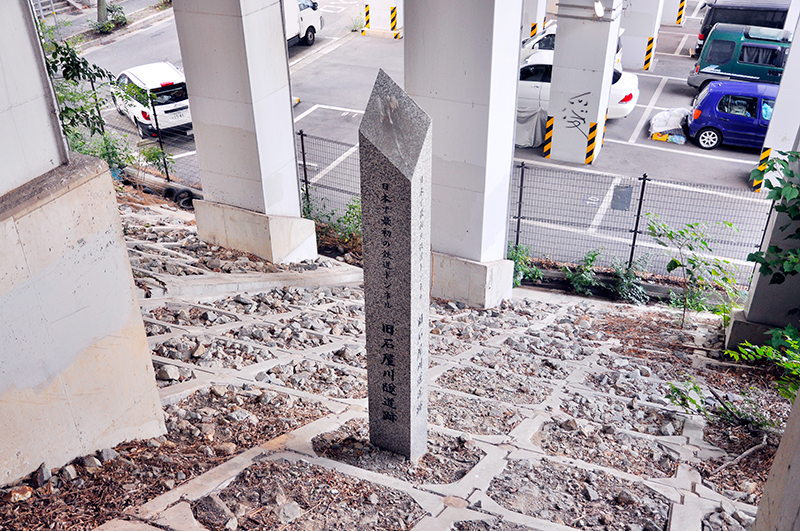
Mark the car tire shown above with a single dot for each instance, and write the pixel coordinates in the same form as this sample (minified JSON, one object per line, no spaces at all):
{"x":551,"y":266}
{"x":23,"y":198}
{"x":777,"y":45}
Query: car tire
{"x":140,"y":129}
{"x":116,"y":105}
{"x":184,"y":194}
{"x":311,"y":36}
{"x":708,"y":138}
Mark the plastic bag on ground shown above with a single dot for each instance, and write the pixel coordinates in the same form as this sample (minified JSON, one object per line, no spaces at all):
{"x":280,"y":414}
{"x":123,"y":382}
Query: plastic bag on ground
{"x":669,"y":121}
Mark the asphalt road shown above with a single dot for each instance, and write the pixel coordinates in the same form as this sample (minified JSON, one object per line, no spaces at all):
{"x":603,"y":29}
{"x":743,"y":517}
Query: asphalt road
{"x":333,"y":80}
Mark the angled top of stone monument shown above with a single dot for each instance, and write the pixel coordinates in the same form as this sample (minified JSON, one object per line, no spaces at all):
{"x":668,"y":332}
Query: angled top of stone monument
{"x":395,"y":124}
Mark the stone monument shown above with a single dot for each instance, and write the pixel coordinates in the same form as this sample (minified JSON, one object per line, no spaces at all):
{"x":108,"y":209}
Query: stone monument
{"x":395,"y":151}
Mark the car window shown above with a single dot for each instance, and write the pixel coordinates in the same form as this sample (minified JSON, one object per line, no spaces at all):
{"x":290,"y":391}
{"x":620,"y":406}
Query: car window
{"x":170,"y":94}
{"x":720,"y":51}
{"x":760,"y":55}
{"x":766,"y":109}
{"x":548,"y":42}
{"x":534,"y":73}
{"x":738,"y":105}
{"x":305,"y":4}
{"x":122,"y":79}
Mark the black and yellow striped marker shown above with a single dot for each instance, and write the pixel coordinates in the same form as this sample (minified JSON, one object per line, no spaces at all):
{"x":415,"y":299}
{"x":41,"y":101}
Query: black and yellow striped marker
{"x":548,"y":136}
{"x":681,"y":8}
{"x":648,"y":56}
{"x":605,"y":122}
{"x":533,"y":29}
{"x":590,"y":141}
{"x":762,"y":166}
{"x":396,"y":34}
{"x":393,"y":18}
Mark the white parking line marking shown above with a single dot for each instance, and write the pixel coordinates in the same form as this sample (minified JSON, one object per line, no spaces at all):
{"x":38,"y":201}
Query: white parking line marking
{"x":646,"y":115}
{"x":640,"y":74}
{"x":333,"y":164}
{"x":755,"y":198}
{"x":181,"y":155}
{"x":601,"y":212}
{"x":627,"y":241}
{"x":697,"y":9}
{"x":682,"y":44}
{"x":343,"y":110}
{"x":752,"y":163}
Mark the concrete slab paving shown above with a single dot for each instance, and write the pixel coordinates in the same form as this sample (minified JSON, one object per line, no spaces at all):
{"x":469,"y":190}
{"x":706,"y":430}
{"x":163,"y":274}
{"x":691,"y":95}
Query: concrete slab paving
{"x":567,"y":366}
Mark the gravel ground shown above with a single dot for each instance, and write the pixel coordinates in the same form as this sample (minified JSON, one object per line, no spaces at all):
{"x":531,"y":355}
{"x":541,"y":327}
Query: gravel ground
{"x":277,"y":495}
{"x":447,"y":460}
{"x":577,"y":498}
{"x":498,"y":385}
{"x":471,"y":415}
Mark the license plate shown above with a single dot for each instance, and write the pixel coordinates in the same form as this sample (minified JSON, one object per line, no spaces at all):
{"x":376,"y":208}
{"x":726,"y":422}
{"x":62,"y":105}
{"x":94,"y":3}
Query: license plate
{"x":178,"y":116}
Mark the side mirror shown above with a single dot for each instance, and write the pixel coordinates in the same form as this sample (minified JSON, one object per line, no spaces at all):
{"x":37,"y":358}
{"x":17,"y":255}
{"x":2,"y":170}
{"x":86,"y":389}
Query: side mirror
{"x":314,"y":6}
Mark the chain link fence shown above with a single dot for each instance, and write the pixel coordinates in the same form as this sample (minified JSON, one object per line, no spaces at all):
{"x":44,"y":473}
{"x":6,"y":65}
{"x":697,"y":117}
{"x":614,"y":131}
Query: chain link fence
{"x":563,"y":215}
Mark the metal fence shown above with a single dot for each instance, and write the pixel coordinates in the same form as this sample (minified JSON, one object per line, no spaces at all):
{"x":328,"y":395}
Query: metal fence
{"x":562,"y":215}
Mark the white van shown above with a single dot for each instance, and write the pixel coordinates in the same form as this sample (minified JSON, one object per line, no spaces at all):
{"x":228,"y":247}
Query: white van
{"x":302,"y":21}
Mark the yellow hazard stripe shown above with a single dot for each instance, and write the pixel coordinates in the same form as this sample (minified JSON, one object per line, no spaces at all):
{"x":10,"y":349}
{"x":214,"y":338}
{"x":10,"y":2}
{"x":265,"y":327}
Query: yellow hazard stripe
{"x":394,"y":19}
{"x":548,"y":137}
{"x":396,"y":34}
{"x":533,"y":29}
{"x":762,"y":166}
{"x":681,"y":8}
{"x":366,"y":16}
{"x":648,"y":56}
{"x":590,"y":141}
{"x":605,"y":122}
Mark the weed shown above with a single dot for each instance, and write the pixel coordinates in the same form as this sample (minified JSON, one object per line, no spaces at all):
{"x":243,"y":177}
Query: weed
{"x":158,"y":158}
{"x":701,"y":273}
{"x":627,"y":283}
{"x":357,"y":23}
{"x":523,"y":269}
{"x":583,"y":277}
{"x":783,"y":349}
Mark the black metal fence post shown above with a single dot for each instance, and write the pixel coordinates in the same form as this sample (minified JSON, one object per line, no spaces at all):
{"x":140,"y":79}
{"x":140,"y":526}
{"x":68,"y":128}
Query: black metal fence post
{"x":644,"y":180}
{"x":305,"y":169}
{"x":160,"y":142}
{"x":519,"y":206}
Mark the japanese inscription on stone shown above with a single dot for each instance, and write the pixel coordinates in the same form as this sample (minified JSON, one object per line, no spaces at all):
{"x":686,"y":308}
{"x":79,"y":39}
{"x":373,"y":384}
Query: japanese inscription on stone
{"x":395,"y":153}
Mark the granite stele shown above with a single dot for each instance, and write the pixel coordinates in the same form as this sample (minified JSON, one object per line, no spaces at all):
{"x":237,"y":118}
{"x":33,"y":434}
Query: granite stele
{"x":395,"y":151}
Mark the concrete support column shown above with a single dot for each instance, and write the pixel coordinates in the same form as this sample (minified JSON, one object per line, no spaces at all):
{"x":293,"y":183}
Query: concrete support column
{"x":471,"y":99}
{"x":534,"y":13}
{"x":234,"y":54}
{"x":383,"y":18}
{"x":673,"y":12}
{"x":582,"y":70}
{"x":768,"y":305}
{"x":641,"y":21}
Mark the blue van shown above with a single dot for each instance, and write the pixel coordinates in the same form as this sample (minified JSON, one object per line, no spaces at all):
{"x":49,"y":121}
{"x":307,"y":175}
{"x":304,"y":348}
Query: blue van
{"x":735,"y":113}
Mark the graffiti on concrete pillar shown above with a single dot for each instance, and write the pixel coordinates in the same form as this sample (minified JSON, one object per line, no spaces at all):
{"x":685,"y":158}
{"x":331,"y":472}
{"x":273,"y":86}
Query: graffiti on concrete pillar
{"x":576,"y":111}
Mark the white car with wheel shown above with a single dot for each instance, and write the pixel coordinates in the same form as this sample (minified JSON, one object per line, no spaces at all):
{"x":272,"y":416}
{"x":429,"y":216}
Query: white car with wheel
{"x":154,"y":97}
{"x":534,"y":86}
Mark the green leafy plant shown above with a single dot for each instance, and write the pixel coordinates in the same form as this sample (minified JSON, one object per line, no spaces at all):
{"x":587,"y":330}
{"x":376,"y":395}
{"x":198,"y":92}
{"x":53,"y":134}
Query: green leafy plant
{"x":112,"y":149}
{"x":117,"y":15}
{"x":348,"y":225}
{"x":777,"y":261}
{"x":105,"y":27}
{"x":690,"y":397}
{"x":357,"y":23}
{"x":583,"y":276}
{"x":783,"y":349}
{"x":158,"y":158}
{"x":691,"y":255}
{"x":627,"y":283}
{"x":79,"y":105}
{"x":523,"y":269}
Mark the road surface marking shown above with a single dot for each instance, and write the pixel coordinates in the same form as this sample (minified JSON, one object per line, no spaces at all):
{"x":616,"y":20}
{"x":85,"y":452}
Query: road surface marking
{"x":180,"y":156}
{"x":640,"y":74}
{"x":601,"y":212}
{"x":343,"y":110}
{"x":697,"y":10}
{"x":627,"y":241}
{"x":753,"y":198}
{"x":752,"y":163}
{"x":682,"y":44}
{"x":646,"y":115}
{"x":333,"y":164}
